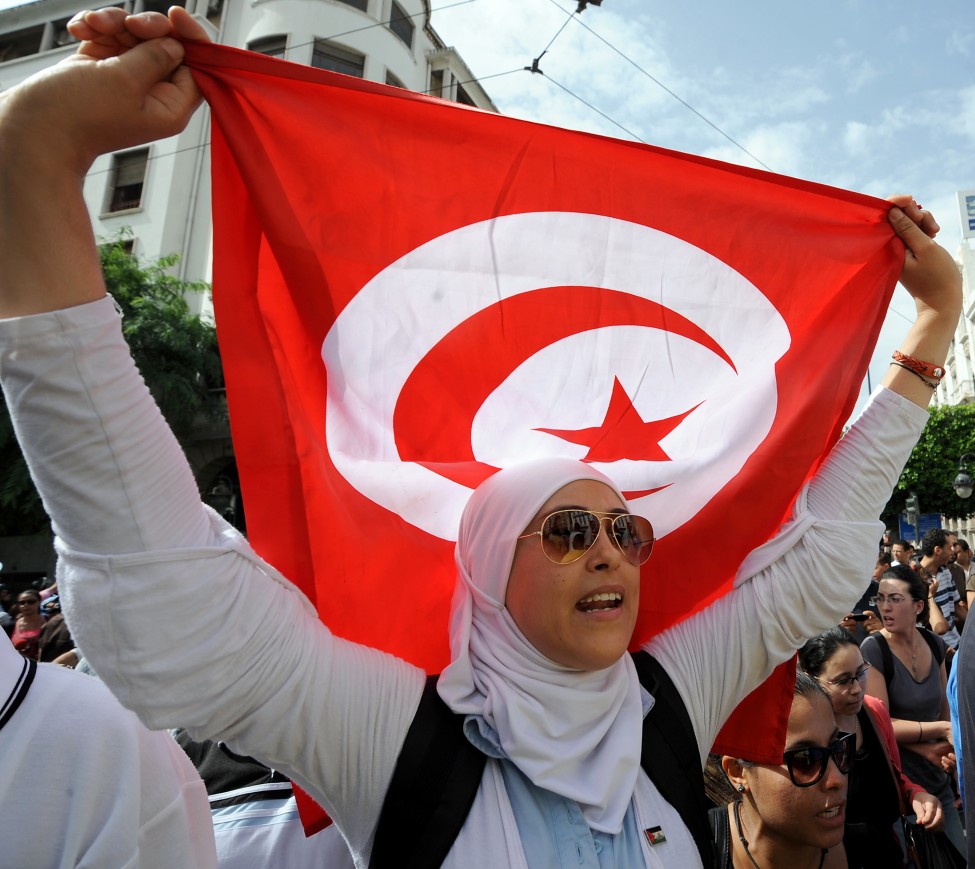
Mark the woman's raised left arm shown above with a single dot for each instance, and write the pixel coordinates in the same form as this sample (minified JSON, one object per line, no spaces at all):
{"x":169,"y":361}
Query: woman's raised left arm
{"x":932,"y":278}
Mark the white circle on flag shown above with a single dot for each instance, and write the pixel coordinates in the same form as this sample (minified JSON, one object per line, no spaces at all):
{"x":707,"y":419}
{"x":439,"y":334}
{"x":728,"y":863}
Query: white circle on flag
{"x":396,"y":319}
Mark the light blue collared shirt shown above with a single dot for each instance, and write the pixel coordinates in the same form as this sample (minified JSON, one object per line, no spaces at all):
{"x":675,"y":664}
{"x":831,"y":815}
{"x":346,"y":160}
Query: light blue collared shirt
{"x":552,"y":829}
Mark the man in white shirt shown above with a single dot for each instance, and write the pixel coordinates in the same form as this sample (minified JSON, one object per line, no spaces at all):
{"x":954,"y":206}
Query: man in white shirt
{"x":85,"y":783}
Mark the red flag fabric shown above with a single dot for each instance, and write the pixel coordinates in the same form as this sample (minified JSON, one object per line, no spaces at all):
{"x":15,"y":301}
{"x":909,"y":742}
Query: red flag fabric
{"x":411,"y":294}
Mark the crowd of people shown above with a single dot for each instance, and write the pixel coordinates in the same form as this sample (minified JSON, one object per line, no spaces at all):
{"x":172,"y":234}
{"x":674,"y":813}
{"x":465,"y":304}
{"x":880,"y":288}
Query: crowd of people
{"x":570,"y":749}
{"x":882,"y":699}
{"x":876,"y":706}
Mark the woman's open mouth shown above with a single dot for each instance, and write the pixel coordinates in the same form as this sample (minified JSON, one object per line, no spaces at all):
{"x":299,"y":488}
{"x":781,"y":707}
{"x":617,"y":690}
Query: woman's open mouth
{"x":608,"y":600}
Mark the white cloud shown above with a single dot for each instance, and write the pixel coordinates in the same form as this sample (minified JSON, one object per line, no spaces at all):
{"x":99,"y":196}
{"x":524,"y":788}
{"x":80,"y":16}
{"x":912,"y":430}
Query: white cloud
{"x":857,"y":138}
{"x":960,"y":43}
{"x":783,"y":147}
{"x":966,"y":112}
{"x":858,"y":73}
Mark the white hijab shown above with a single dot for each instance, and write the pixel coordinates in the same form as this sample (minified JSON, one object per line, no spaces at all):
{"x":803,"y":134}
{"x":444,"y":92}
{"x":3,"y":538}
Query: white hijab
{"x":572,"y":732}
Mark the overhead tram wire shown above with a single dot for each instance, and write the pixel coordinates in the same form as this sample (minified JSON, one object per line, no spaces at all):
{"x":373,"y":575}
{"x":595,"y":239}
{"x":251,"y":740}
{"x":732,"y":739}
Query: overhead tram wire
{"x":478,"y":80}
{"x":535,"y":69}
{"x":206,"y":144}
{"x":664,"y":87}
{"x":891,"y":307}
{"x":557,"y":34}
{"x":427,"y":93}
{"x":591,"y":106}
{"x":379,"y":24}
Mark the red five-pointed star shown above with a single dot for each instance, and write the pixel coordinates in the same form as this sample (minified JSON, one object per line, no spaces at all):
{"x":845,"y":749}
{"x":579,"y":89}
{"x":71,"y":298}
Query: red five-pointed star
{"x":623,"y":433}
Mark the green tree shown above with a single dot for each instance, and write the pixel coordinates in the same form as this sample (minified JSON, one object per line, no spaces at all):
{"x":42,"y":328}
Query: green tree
{"x":933,"y":465}
{"x":175,"y":350}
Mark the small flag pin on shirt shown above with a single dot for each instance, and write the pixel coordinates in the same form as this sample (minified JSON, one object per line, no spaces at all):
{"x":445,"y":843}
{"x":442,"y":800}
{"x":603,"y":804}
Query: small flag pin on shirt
{"x":655,"y":835}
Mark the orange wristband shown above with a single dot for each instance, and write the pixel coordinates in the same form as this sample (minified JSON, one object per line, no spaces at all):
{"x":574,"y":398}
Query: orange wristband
{"x":922,"y":369}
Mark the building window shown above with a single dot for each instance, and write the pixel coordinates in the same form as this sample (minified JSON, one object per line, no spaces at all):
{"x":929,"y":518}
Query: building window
{"x":214,"y":12}
{"x":401,"y":24}
{"x":394,"y":81}
{"x":156,"y":5}
{"x":358,"y":4}
{"x":61,"y":35}
{"x":21,"y":43}
{"x":464,"y":97}
{"x":325,"y":55}
{"x":436,"y":82}
{"x":272,"y":46}
{"x":128,"y":179}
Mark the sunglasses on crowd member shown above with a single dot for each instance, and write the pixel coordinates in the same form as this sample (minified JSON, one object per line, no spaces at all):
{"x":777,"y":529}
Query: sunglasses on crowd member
{"x":567,"y":535}
{"x":808,"y":765}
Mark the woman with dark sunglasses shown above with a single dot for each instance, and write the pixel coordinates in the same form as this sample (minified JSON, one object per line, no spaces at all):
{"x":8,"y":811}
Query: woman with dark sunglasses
{"x":548,"y":559}
{"x":879,"y":792}
{"x":791,"y":814}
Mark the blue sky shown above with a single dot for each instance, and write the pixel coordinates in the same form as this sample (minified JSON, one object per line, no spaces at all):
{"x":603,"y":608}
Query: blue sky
{"x":873,"y":97}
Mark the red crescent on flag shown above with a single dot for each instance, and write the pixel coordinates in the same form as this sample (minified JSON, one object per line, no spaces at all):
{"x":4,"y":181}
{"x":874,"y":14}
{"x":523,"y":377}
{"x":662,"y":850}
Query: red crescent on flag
{"x":437,"y":434}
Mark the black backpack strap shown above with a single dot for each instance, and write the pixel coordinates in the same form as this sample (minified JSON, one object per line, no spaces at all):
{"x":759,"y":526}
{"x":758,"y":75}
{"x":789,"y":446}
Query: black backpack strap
{"x":432,"y":790}
{"x":439,"y":772}
{"x":886,"y":658}
{"x":721,"y":834}
{"x":937,"y":649}
{"x":670,"y":755}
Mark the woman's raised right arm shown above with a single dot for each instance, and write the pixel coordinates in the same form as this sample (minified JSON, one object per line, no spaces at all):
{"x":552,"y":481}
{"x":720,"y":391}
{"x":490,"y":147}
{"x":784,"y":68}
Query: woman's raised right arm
{"x":178,"y":616}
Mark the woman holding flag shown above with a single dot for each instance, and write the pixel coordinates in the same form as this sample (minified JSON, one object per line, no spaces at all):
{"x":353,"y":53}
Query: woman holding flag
{"x":548,"y":555}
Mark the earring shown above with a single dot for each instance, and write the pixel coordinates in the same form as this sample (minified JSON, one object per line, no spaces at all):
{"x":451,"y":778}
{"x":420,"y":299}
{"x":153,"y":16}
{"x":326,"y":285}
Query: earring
{"x":741,"y":789}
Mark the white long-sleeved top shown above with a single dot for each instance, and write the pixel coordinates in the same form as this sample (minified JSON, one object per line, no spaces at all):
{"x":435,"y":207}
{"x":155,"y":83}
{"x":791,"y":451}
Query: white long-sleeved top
{"x":267,"y":677}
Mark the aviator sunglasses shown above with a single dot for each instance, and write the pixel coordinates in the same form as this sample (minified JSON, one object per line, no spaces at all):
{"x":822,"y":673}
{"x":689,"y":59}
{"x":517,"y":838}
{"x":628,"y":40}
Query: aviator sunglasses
{"x":808,"y":765}
{"x":567,"y":535}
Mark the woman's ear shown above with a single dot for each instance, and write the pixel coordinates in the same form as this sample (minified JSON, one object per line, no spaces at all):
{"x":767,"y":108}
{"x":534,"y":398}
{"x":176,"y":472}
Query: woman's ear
{"x":735,"y":771}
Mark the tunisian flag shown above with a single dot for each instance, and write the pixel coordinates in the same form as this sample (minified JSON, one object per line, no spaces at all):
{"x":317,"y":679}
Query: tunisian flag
{"x":411,"y":294}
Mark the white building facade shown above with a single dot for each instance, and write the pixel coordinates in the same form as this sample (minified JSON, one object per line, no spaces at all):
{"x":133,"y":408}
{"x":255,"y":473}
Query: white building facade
{"x":160,"y":193}
{"x":958,"y":385}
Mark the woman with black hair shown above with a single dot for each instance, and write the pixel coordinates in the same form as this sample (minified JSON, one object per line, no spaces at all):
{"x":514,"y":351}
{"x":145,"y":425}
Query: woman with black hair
{"x":879,"y":792}
{"x":908,"y":676}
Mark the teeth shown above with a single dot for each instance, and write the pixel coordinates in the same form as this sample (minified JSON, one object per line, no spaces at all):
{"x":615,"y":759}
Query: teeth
{"x":609,"y":595}
{"x":829,"y":813}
